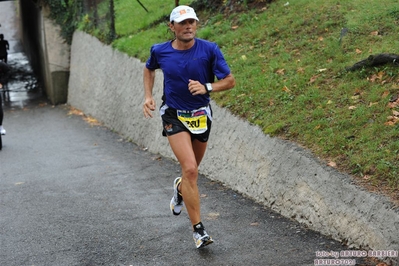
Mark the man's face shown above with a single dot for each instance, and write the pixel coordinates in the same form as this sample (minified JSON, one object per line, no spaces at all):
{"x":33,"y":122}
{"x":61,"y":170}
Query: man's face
{"x":184,"y":30}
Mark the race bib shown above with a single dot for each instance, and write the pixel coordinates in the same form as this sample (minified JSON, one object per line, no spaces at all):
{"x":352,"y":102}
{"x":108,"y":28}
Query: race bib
{"x":195,"y":121}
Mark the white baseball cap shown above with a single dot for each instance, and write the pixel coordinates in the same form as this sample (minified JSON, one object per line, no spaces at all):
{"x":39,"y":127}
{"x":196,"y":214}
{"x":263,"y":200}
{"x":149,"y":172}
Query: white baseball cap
{"x":181,"y":13}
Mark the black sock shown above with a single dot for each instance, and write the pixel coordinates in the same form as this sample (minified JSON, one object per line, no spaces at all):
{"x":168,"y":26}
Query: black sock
{"x":198,"y":226}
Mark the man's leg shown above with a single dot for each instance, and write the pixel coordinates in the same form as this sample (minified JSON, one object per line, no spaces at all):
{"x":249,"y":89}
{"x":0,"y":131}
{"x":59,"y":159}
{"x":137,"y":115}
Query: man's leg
{"x":189,"y":154}
{"x":2,"y":130}
{"x":1,"y":112}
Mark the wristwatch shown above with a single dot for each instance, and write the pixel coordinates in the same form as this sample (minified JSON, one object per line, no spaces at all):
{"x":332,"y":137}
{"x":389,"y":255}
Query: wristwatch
{"x":208,"y":87}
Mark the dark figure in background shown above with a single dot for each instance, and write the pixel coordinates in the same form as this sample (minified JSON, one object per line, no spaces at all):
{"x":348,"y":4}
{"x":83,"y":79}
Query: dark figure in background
{"x":4,"y":46}
{"x":4,"y":68}
{"x":2,"y":130}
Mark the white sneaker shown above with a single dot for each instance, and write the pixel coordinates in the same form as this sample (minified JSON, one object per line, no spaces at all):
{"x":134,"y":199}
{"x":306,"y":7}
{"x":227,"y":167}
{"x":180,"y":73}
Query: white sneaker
{"x":201,"y":238}
{"x":176,"y":203}
{"x":2,"y":130}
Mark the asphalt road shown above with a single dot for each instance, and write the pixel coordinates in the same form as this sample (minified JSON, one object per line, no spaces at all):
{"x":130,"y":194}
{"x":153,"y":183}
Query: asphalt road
{"x":75,"y":193}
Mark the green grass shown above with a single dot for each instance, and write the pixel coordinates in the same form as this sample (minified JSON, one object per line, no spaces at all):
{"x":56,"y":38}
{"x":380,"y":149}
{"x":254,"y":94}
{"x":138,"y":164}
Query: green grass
{"x":137,"y":29}
{"x":289,"y":63}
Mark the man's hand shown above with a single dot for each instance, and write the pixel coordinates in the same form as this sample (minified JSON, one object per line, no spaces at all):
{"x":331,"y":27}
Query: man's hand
{"x":196,"y":88}
{"x":148,"y":107}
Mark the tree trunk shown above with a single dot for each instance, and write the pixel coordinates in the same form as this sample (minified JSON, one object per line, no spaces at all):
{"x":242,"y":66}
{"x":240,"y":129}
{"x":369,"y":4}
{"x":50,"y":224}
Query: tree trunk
{"x":375,"y":60}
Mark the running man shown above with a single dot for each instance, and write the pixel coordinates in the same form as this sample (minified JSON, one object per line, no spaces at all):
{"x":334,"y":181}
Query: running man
{"x":189,"y":66}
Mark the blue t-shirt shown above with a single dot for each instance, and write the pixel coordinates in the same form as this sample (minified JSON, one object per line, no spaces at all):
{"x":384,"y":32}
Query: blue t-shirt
{"x":202,"y":62}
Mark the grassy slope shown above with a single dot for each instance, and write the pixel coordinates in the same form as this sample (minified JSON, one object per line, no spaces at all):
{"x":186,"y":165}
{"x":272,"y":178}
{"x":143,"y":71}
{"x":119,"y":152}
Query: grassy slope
{"x":289,"y":62}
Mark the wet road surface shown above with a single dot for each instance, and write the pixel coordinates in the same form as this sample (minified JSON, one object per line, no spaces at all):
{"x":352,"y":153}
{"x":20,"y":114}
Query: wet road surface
{"x":20,"y":86}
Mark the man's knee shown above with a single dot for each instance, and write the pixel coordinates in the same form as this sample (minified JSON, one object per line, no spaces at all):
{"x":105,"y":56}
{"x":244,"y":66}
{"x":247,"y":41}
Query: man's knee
{"x":190,"y":172}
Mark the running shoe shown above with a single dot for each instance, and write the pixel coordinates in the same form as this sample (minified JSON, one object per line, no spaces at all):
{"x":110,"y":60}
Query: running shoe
{"x":176,"y":203}
{"x":2,"y":131}
{"x":201,"y":238}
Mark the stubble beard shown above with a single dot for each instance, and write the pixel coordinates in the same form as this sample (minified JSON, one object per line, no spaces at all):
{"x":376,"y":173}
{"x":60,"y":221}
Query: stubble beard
{"x":188,"y":39}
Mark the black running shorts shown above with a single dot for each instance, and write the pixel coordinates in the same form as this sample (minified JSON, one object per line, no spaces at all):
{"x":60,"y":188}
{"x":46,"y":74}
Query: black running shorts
{"x":172,"y":125}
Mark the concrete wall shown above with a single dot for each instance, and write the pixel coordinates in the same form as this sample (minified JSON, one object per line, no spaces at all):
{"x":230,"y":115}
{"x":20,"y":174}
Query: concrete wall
{"x":107,"y":85}
{"x":10,"y":25}
{"x":57,"y":55}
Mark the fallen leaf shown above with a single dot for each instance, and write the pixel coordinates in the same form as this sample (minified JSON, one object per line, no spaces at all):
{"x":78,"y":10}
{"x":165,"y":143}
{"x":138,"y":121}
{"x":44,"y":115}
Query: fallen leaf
{"x":212,"y":216}
{"x":332,"y":164}
{"x":280,"y":71}
{"x":300,"y":70}
{"x":313,"y":79}
{"x":74,"y":111}
{"x":392,"y":120}
{"x":358,"y":51}
{"x":358,"y":91}
{"x":286,"y":89}
{"x":92,"y":121}
{"x":19,"y":183}
{"x":395,"y":113}
{"x":385,"y":94}
{"x":254,"y":224}
{"x":374,"y":33}
{"x":203,"y":196}
{"x":372,"y":78}
{"x":244,"y":57}
{"x":322,"y":69}
{"x":352,"y":107}
{"x":393,"y":104}
{"x":234,"y":27}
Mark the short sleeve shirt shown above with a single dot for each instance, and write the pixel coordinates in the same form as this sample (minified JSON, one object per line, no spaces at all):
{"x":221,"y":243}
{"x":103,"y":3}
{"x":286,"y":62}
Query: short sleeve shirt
{"x":202,"y":62}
